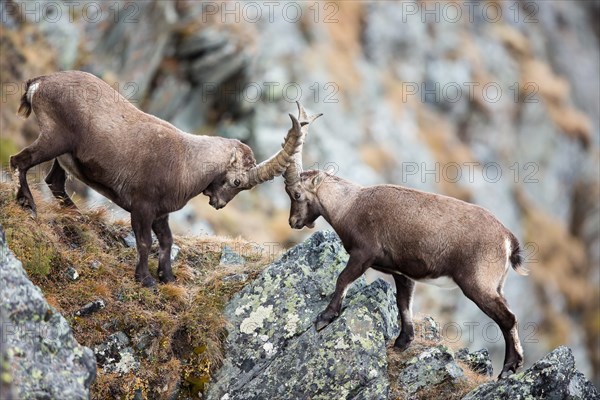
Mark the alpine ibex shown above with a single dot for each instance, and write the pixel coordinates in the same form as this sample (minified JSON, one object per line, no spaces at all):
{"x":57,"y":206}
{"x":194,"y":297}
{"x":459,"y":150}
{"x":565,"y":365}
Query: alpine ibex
{"x":140,"y":162}
{"x":415,"y":236}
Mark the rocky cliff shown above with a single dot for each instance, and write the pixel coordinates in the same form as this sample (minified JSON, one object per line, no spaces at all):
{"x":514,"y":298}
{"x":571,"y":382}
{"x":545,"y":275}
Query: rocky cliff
{"x":40,"y":357}
{"x":271,"y":350}
{"x":496,"y":103}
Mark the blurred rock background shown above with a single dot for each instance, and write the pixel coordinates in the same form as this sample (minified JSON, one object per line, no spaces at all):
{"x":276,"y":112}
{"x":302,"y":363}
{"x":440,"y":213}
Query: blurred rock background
{"x":496,"y":103}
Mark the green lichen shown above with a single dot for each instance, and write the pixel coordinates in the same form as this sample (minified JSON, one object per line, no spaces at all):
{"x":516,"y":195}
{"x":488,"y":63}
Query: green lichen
{"x":334,"y":364}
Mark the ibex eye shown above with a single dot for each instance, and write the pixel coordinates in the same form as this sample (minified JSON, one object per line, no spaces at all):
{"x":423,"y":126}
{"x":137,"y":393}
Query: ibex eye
{"x":297,"y":195}
{"x":237,"y":182}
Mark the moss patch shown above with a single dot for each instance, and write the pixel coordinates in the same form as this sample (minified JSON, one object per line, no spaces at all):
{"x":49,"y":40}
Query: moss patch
{"x":7,"y":149}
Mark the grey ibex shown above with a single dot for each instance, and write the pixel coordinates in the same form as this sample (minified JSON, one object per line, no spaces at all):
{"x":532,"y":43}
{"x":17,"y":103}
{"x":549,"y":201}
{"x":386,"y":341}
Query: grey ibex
{"x":415,"y":236}
{"x":140,"y":162}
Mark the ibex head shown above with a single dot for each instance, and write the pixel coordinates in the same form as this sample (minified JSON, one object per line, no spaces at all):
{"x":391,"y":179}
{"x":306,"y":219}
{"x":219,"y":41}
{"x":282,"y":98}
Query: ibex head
{"x":242,"y":173}
{"x":305,"y":208}
{"x":301,"y":186}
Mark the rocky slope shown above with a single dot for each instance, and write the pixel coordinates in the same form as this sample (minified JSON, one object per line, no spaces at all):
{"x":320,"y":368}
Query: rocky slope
{"x":141,"y":342}
{"x":272,"y":349}
{"x":552,"y":377}
{"x":394,"y":80}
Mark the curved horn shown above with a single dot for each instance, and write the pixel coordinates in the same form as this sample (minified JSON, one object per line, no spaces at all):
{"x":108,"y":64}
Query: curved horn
{"x":278,"y":163}
{"x":293,"y":171}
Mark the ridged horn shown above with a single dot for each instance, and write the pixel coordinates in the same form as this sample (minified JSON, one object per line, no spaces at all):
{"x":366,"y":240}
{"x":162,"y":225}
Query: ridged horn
{"x":278,"y":163}
{"x":293,"y":171}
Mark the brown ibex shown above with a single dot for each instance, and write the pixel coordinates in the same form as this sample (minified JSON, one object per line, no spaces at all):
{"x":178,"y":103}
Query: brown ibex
{"x":140,"y":162}
{"x":415,"y":236}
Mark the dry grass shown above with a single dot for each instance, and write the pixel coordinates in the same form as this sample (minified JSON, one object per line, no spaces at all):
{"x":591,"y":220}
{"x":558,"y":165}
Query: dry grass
{"x":556,"y":258}
{"x":25,"y":54}
{"x":537,"y":80}
{"x":551,"y":87}
{"x":177,"y":330}
{"x":516,"y":41}
{"x":573,"y":122}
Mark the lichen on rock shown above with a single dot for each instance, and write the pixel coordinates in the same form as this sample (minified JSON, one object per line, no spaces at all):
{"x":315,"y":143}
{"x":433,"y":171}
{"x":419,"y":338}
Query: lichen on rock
{"x":478,"y":361}
{"x":45,"y":359}
{"x":346,"y":359}
{"x":116,"y":355}
{"x":256,"y":319}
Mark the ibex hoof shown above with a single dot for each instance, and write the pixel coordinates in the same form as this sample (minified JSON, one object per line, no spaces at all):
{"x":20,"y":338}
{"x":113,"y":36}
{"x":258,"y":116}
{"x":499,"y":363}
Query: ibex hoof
{"x":146,"y":281}
{"x":167,"y":278}
{"x":402,"y":344}
{"x":320,"y":325}
{"x":27,"y":205}
{"x":323,"y":320}
{"x":505,"y":373}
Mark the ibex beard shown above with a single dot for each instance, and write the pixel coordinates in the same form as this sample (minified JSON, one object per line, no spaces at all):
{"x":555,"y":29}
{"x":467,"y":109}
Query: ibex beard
{"x":143,"y":164}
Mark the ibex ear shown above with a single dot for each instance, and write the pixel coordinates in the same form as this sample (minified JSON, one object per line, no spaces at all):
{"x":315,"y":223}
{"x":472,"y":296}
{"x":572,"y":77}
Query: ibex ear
{"x":234,"y":157}
{"x":316,"y":181}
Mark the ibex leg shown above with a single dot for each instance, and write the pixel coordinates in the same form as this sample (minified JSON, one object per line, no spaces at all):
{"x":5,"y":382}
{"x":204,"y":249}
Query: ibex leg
{"x":357,"y":265}
{"x":160,"y":226}
{"x":405,"y":288}
{"x":56,"y":180}
{"x":494,"y":305}
{"x":142,"y":228}
{"x":43,"y":149}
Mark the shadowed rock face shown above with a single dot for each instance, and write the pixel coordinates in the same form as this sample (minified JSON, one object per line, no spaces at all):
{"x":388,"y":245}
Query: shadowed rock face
{"x":273,"y":350}
{"x":44,"y":358}
{"x":552,"y":377}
